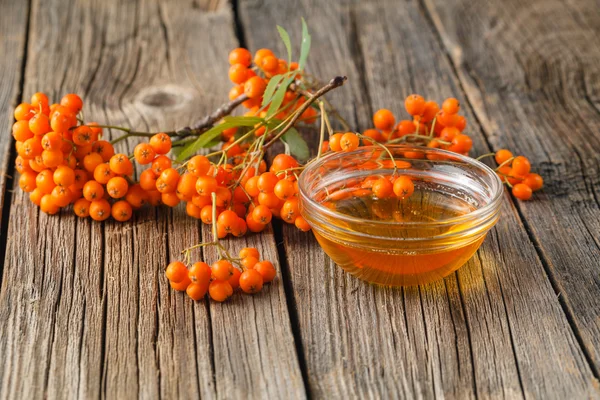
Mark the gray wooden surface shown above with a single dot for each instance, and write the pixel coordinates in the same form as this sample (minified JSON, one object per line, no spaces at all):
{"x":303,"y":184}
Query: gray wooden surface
{"x":86,"y":311}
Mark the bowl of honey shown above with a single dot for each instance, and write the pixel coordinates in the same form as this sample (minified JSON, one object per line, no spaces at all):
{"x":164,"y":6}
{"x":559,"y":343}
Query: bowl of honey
{"x":395,"y":239}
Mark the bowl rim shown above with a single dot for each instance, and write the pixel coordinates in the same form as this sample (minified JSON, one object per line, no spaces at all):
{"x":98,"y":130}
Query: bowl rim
{"x":496,"y":186}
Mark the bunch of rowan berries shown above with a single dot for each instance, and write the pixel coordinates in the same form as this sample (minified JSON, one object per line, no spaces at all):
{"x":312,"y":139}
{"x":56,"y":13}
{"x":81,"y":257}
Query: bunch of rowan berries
{"x":62,"y":163}
{"x":223,"y":277}
{"x":516,"y":173}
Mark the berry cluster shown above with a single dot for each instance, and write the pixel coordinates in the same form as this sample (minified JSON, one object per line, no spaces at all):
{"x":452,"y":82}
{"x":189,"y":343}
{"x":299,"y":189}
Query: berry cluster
{"x":516,"y":173}
{"x":223,"y":277}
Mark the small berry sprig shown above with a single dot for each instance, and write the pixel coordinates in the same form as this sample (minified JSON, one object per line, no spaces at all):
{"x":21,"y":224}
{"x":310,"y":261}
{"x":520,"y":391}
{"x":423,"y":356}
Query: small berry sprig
{"x":516,"y":173}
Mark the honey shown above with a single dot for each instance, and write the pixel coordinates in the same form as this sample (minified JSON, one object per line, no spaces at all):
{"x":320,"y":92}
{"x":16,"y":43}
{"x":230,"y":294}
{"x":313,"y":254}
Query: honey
{"x":431,"y":248}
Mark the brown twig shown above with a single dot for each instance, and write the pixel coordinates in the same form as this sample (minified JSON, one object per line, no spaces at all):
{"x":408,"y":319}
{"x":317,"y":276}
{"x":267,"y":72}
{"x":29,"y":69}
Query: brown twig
{"x":334,"y":83}
{"x":208,"y":121}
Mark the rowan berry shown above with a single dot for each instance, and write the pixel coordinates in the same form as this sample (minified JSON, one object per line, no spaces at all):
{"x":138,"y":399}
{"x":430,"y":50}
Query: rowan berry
{"x":205,"y":185}
{"x":284,"y":189}
{"x":198,"y":166}
{"x":24,"y":112}
{"x":39,"y":124}
{"x":262,"y":214}
{"x":238,"y":73}
{"x":160,"y":163}
{"x":21,"y":131}
{"x":430,"y":111}
{"x":335,"y":142}
{"x":502,"y":156}
{"x":375,"y":135}
{"x":161,"y":143}
{"x":521,"y":166}
{"x":260,"y":54}
{"x":254,"y":226}
{"x":403,"y":187}
{"x":383,"y":119}
{"x":154,"y":197}
{"x":144,"y":153}
{"x":301,"y":224}
{"x":27,"y":181}
{"x":382,"y":188}
{"x":290,"y":210}
{"x":251,"y":186}
{"x":451,"y":106}
{"x":181,"y":286}
{"x":169,"y":199}
{"x":268,"y":199}
{"x":222,"y":270}
{"x":522,"y":192}
{"x":47,"y":205}
{"x":251,"y":281}
{"x":234,"y":281}
{"x":227,"y":220}
{"x":249,"y":262}
{"x":220,"y":290}
{"x":136,"y":196}
{"x":240,"y":56}
{"x":266,"y":182}
{"x":35,"y":196}
{"x":117,"y":187}
{"x":415,"y":104}
{"x":461,"y":143}
{"x":121,"y":165}
{"x":200,"y":272}
{"x":167,"y":181}
{"x":72,"y":102}
{"x":349,"y":141}
{"x":206,"y":215}
{"x":534,"y":181}
{"x":51,"y":158}
{"x":196,"y":291}
{"x":103,"y":173}
{"x":254,"y":87}
{"x":122,"y":211}
{"x":445,"y":119}
{"x":61,"y":196}
{"x":83,"y":135}
{"x":64,"y":176}
{"x":176,"y":272}
{"x":104,"y":148}
{"x":449,"y":133}
{"x":266,"y":269}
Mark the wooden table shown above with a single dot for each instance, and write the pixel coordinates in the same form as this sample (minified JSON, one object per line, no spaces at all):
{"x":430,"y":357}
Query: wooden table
{"x":85,"y":308}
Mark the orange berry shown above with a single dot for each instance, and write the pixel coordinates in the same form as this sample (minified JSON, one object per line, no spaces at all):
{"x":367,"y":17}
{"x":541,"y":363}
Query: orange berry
{"x":240,"y":56}
{"x":52,"y":141}
{"x":522,"y":192}
{"x":534,"y":181}
{"x":104,"y":148}
{"x":122,"y":211}
{"x":176,"y":272}
{"x":349,"y":141}
{"x":167,"y":181}
{"x":383,"y":119}
{"x":234,"y":281}
{"x":206,"y":185}
{"x":196,"y":291}
{"x":254,"y":226}
{"x":121,"y":165}
{"x":284,"y":189}
{"x":382,"y":188}
{"x":251,"y":281}
{"x":431,"y":110}
{"x":47,"y":205}
{"x":64,"y":176}
{"x":236,"y":91}
{"x":521,"y":166}
{"x":24,"y":112}
{"x":269,"y":64}
{"x":251,"y":186}
{"x":335,"y":142}
{"x":83,"y":135}
{"x":461,"y":144}
{"x":268,"y":199}
{"x":91,"y":161}
{"x":61,"y":196}
{"x":238,"y":73}
{"x":148,"y":179}
{"x":283,"y":162}
{"x":72,"y":102}
{"x":445,"y":119}
{"x":403,"y":187}
{"x":169,"y":199}
{"x":290,"y":210}
{"x":206,"y":214}
{"x":266,"y":269}
{"x":249,"y":262}
{"x":220,"y":290}
{"x":415,"y":104}
{"x":181,"y":286}
{"x":52,"y":158}
{"x":374,"y":134}
{"x":45,"y":181}
{"x":62,"y":121}
{"x":249,"y":252}
{"x":262,"y":214}
{"x":198,"y":166}
{"x":301,"y":224}
{"x":136,"y":196}
{"x":81,"y":208}
{"x":266,"y":182}
{"x":222,"y":270}
{"x":35,"y":196}
{"x":460,"y":123}
{"x":186,"y":186}
{"x":21,"y":131}
{"x":161,"y":143}
{"x":451,"y":106}
{"x":200,"y":272}
{"x":502,"y":156}
{"x":117,"y":187}
{"x":449,"y":133}
{"x":27,"y":181}
{"x":144,"y":153}
{"x":103,"y":173}
{"x":160,"y":163}
{"x":227,"y":220}
{"x":260,"y":54}
{"x":254,"y":87}
{"x":32,"y":147}
{"x":39,"y":124}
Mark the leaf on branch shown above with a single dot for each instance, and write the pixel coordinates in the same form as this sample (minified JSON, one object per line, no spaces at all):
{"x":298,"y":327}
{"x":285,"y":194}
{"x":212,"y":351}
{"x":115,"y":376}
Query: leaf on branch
{"x":297,"y":144}
{"x":305,"y":47}
{"x":278,"y":96}
{"x":286,"y":40}
{"x":211,"y":137}
{"x":271,"y":86}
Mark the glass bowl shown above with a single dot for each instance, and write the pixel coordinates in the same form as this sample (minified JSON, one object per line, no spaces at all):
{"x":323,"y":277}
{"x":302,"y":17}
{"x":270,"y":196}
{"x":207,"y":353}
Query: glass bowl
{"x":396,"y":241}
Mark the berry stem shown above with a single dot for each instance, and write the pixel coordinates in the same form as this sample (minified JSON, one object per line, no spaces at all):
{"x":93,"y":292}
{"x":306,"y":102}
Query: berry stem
{"x":481,"y":157}
{"x":322,"y":132}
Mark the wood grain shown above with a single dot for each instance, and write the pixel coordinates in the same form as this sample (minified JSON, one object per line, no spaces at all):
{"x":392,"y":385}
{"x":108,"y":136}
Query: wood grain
{"x":493,"y":329}
{"x":534,"y":87}
{"x":88,"y":310}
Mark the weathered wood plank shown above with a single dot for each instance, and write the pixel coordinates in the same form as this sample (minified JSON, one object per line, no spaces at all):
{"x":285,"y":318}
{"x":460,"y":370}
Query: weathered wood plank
{"x":476,"y":333}
{"x":534,"y":87}
{"x":87,"y":308}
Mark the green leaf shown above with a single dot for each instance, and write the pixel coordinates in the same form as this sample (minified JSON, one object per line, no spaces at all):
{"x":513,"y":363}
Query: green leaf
{"x":286,"y":40}
{"x":305,"y":47}
{"x":298,"y":146}
{"x":211,"y":136}
{"x":278,"y":97}
{"x":271,"y":86}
